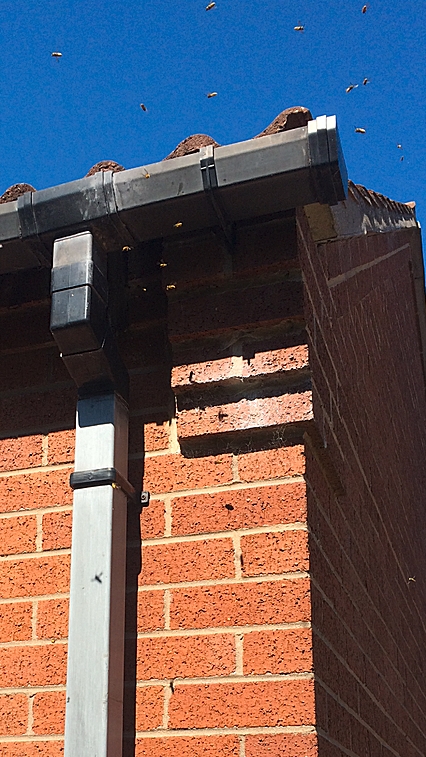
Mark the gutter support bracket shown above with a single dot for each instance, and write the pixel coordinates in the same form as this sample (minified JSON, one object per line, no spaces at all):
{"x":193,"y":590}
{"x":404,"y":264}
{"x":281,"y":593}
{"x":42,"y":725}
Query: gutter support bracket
{"x":210,"y":183}
{"x":80,"y":326}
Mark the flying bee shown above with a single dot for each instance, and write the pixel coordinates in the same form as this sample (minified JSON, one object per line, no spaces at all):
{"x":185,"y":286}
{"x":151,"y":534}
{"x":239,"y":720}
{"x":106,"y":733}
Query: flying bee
{"x":162,"y":264}
{"x":364,"y":9}
{"x":144,"y":108}
{"x":210,"y":6}
{"x":147,"y":175}
{"x":359,"y":130}
{"x":56,"y":55}
{"x":351,"y":87}
{"x":178,"y":225}
{"x":399,"y":147}
{"x":365,"y":81}
{"x":299,"y":28}
{"x":170,"y":286}
{"x":401,"y":158}
{"x":212,"y":94}
{"x":126,"y":248}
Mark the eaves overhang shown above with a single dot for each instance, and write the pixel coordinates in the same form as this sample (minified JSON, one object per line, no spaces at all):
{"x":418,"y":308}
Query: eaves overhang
{"x":214,"y":186}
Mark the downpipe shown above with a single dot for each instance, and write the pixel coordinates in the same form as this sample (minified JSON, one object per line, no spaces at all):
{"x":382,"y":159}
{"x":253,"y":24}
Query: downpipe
{"x":79,"y":324}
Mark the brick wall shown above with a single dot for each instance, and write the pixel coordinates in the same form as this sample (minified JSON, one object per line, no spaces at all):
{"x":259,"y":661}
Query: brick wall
{"x":222,"y":662}
{"x":37,"y":404}
{"x":220,"y":651}
{"x":367,"y":542}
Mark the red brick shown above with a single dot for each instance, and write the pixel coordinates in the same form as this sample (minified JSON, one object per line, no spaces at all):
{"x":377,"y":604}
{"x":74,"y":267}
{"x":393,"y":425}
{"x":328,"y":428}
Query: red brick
{"x":52,"y":619}
{"x":282,"y":745}
{"x":194,"y":746}
{"x":152,"y":519}
{"x":49,"y":712}
{"x":39,"y":409}
{"x":227,"y":705}
{"x":228,"y":369}
{"x":188,"y":561}
{"x":13,"y":714}
{"x":18,"y":535}
{"x":15,"y":621}
{"x":277,"y":361}
{"x":16,"y":373}
{"x":34,"y":490}
{"x":246,"y":414}
{"x":203,"y":373}
{"x":193,"y":261}
{"x":218,"y":311}
{"x":265,"y":247}
{"x":239,"y":508}
{"x":21,"y":452}
{"x":150,"y":610}
{"x":173,"y":472}
{"x":57,"y":529}
{"x":150,"y":389}
{"x":32,"y":749}
{"x":278,"y":651}
{"x":240,"y":604}
{"x":273,"y":463}
{"x":33,"y":666}
{"x":34,"y":576}
{"x":156,"y":436}
{"x":149,"y":708}
{"x":180,"y":657}
{"x":274,"y":553}
{"x":61,"y":446}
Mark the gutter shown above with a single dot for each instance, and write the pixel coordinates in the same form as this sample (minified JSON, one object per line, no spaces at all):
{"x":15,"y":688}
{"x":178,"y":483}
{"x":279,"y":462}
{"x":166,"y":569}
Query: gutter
{"x":213,"y":187}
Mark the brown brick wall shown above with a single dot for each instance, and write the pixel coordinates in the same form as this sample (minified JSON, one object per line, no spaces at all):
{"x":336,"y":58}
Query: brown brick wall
{"x":365,"y":545}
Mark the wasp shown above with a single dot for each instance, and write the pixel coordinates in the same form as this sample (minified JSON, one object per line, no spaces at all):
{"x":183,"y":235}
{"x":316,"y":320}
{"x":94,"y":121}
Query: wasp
{"x":178,"y":225}
{"x":210,"y":6}
{"x":351,"y":87}
{"x":359,"y":130}
{"x":364,"y":9}
{"x":365,"y":81}
{"x":212,"y":94}
{"x":299,"y":28}
{"x":144,"y":108}
{"x":56,"y":55}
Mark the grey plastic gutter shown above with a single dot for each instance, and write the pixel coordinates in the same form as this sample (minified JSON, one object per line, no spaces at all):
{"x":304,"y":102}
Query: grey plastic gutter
{"x":225,"y":184}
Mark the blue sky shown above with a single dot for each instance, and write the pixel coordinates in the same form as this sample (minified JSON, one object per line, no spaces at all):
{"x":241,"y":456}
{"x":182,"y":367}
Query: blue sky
{"x":59,"y":117}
